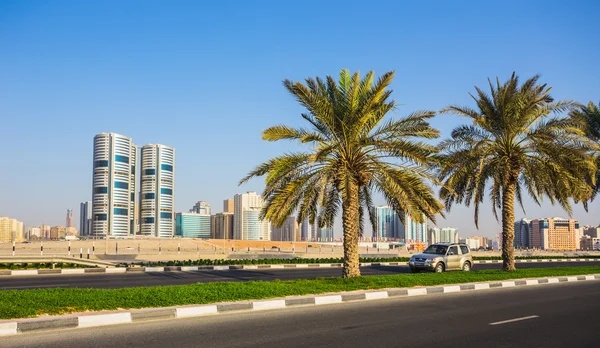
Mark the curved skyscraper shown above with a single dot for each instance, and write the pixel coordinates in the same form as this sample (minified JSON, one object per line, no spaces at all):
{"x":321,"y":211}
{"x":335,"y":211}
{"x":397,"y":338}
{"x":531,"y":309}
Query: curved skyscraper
{"x":114,"y":179}
{"x":157,"y":189}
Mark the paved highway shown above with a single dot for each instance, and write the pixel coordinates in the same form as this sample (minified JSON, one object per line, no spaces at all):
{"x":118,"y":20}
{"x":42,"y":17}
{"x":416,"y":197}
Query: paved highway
{"x":558,"y":315}
{"x":108,"y":281}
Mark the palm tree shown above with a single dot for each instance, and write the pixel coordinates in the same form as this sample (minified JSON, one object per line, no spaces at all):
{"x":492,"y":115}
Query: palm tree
{"x":515,"y":146}
{"x":589,"y":117}
{"x":352,"y":153}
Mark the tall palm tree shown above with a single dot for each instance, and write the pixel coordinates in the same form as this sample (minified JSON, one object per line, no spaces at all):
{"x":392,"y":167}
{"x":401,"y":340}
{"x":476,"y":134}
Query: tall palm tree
{"x":589,"y":117}
{"x":352,"y":153}
{"x":514,"y":146}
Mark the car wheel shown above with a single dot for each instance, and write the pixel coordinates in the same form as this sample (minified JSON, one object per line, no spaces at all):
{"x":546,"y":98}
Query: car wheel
{"x":466,"y":266}
{"x":439,"y":268}
{"x":414,"y":270}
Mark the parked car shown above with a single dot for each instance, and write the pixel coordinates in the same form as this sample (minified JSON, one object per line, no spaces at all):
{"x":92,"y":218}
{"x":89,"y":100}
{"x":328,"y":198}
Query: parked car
{"x":442,"y":257}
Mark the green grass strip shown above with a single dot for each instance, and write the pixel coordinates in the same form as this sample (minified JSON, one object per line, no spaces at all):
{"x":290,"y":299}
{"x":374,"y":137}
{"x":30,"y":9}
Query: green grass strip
{"x":32,"y":303}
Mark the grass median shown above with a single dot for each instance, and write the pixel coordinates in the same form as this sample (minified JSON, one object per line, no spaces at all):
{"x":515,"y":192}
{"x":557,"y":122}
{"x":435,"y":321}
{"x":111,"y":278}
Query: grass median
{"x":36,"y":302}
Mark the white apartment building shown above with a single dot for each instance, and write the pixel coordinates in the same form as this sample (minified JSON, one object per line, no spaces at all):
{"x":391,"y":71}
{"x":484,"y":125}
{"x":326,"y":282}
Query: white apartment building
{"x":246,"y":223}
{"x":114,"y":186}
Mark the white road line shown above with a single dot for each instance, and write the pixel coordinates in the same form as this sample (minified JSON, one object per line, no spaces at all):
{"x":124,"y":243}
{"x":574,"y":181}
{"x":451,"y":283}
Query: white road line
{"x":513,"y":320}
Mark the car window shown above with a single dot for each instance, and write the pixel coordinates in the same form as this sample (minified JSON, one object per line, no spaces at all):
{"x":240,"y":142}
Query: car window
{"x":453,"y":250}
{"x":464,"y":249}
{"x":435,"y":249}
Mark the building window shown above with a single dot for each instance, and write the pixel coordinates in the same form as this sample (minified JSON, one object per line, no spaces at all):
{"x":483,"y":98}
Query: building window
{"x":167,"y":167}
{"x":102,"y":189}
{"x":149,"y":171}
{"x":123,"y":159}
{"x":121,"y":185}
{"x":121,"y":211}
{"x":166,"y":215}
{"x":101,"y":163}
{"x":100,"y":217}
{"x":166,"y":191}
{"x":149,"y":220}
{"x":148,"y":195}
{"x":132,"y":169}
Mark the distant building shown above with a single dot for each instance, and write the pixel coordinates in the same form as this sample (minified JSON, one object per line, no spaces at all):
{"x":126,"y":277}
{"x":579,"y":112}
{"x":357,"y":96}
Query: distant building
{"x":69,"y":219}
{"x":522,"y":232}
{"x":58,"y":232}
{"x":247,"y":223}
{"x":221,"y":226}
{"x":325,"y":234}
{"x":114,"y":186}
{"x":11,"y":230}
{"x":387,"y":223}
{"x":414,"y":231}
{"x":308,"y":231}
{"x":85,"y":218}
{"x":589,"y":243}
{"x":71,"y":231}
{"x":45,"y":231}
{"x":201,"y":207}
{"x":442,"y":235}
{"x":157,"y":191}
{"x":473,"y":244}
{"x":192,"y":225}
{"x":34,"y":233}
{"x":228,"y":206}
{"x":554,"y":234}
{"x":288,"y":232}
{"x":592,"y":231}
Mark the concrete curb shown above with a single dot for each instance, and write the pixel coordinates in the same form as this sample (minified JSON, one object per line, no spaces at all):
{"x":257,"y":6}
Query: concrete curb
{"x":132,"y":316}
{"x":240,"y":267}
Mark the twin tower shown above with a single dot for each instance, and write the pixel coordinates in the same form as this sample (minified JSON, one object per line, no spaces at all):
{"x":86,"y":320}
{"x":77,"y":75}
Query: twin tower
{"x":117,"y":211}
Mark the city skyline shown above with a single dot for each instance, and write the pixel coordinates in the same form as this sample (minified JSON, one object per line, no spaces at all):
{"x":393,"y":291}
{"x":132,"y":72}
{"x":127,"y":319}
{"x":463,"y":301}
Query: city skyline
{"x":184,"y":81}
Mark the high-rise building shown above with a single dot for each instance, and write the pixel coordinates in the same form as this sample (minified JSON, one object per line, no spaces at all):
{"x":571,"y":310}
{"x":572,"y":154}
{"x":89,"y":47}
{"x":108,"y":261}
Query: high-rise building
{"x":221,"y":226}
{"x":85,"y":218}
{"x":288,"y":232}
{"x":201,"y":207}
{"x":192,"y":225}
{"x":157,"y":191}
{"x":522,"y":231}
{"x":11,"y":230}
{"x":324,"y":234}
{"x":387,"y":223}
{"x":69,"y":219}
{"x":554,"y":234}
{"x":442,"y":235}
{"x":114,"y":180}
{"x":308,"y":231}
{"x":228,"y":206}
{"x":247,"y":225}
{"x":414,"y":231}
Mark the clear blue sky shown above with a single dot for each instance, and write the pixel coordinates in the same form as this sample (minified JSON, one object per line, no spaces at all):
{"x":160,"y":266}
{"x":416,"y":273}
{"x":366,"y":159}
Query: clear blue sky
{"x":205,"y":77}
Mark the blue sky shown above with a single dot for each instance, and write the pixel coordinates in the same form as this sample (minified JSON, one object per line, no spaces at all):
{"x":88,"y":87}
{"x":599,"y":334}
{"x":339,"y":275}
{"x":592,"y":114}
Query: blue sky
{"x":205,"y":77}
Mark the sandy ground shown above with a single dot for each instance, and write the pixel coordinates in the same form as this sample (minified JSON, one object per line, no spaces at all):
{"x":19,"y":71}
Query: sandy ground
{"x":171,"y":249}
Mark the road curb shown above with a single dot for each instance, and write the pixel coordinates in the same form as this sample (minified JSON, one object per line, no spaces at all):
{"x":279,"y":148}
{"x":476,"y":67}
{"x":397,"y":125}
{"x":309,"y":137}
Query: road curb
{"x":130,"y":270}
{"x":18,"y":326}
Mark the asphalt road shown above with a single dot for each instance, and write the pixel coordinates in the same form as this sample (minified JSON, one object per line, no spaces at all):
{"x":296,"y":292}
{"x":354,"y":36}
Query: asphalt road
{"x":108,"y":281}
{"x":557,"y":315}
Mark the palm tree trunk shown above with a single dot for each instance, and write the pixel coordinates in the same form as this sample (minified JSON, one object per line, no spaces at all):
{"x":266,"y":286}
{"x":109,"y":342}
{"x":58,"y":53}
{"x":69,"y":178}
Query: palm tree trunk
{"x":350,"y":222}
{"x":508,"y":227}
